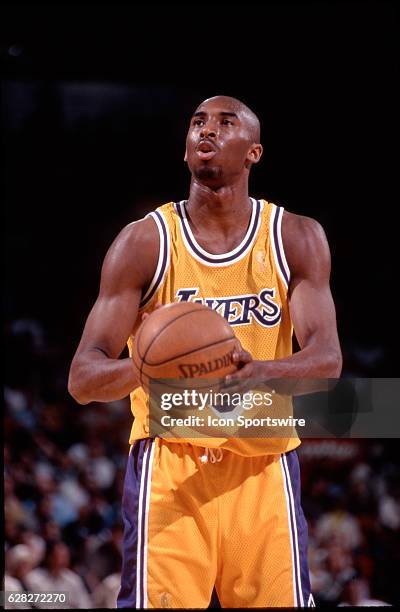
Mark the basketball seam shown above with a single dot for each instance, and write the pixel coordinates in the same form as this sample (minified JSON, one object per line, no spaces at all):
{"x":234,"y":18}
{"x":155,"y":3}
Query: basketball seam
{"x":138,"y":338}
{"x":200,"y":348}
{"x":139,"y":368}
{"x":142,"y":327}
{"x":199,"y":386}
{"x":143,"y":359}
{"x":137,"y":345}
{"x":184,"y":314}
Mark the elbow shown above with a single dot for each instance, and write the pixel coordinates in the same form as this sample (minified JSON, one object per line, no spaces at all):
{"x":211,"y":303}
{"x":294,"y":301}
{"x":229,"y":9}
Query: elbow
{"x":75,"y":387}
{"x":334,"y":363}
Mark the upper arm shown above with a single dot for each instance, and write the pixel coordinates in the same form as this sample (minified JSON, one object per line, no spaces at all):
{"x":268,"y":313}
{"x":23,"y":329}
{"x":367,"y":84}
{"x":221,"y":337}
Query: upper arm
{"x":127,"y":269}
{"x":311,"y":305}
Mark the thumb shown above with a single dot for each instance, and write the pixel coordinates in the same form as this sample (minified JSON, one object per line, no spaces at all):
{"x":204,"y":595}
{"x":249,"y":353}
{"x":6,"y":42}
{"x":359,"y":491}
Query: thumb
{"x":147,"y":314}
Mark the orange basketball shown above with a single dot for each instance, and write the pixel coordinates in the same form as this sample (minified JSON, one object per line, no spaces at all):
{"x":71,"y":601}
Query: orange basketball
{"x":183,"y":340}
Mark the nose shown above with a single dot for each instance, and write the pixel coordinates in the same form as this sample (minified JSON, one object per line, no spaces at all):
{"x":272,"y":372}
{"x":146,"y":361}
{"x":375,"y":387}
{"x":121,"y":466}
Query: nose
{"x":208,"y":131}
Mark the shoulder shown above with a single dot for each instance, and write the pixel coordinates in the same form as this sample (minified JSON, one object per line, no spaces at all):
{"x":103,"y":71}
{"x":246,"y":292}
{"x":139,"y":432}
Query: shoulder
{"x":36,"y":576}
{"x":12,"y":584}
{"x":295,"y":227}
{"x":71,"y":577}
{"x":304,"y":241}
{"x":303,"y":237}
{"x":138,"y":234}
{"x":36,"y":572}
{"x":134,"y":252}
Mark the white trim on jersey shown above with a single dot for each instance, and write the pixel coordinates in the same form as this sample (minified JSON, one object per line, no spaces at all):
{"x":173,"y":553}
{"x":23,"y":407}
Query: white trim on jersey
{"x":228,"y":258}
{"x":282,"y":250}
{"x":163,"y":256}
{"x":277,"y":243}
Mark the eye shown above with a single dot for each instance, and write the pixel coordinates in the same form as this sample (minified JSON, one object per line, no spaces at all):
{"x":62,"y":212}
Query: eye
{"x":198,"y":122}
{"x":227,"y":122}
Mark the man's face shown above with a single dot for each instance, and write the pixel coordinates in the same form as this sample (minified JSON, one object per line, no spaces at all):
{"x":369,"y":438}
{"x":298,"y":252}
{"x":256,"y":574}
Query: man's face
{"x":218,"y":142}
{"x":60,"y":556}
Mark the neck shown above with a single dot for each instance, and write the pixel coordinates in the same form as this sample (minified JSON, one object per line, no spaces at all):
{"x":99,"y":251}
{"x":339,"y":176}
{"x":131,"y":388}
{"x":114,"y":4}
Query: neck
{"x":224,"y":206}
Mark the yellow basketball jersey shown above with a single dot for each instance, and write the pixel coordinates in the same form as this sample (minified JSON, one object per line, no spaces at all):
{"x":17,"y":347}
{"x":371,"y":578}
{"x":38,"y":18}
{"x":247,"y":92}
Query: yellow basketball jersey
{"x":248,"y":286}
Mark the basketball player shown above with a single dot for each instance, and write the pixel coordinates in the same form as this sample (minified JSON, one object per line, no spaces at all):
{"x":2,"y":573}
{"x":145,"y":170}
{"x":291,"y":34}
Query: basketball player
{"x":227,"y":516}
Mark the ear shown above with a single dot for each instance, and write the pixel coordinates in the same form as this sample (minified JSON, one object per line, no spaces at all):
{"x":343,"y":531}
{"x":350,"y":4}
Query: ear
{"x":185,"y":158}
{"x":255,"y":153}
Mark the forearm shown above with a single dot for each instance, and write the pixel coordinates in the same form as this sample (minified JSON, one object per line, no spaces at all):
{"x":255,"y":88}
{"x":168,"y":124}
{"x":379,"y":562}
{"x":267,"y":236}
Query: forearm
{"x":310,"y":362}
{"x":310,"y":370}
{"x":94,"y":377}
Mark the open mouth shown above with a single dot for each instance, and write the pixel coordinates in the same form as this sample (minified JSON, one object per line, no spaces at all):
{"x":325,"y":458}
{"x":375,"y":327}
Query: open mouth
{"x":205,"y":151}
{"x":206,"y":154}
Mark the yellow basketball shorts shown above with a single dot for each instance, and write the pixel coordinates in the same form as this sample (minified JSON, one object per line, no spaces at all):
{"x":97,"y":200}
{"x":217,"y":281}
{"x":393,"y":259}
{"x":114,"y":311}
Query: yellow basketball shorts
{"x":195,"y":518}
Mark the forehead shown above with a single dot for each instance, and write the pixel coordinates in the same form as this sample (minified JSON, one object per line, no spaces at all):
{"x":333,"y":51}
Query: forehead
{"x":218,"y":106}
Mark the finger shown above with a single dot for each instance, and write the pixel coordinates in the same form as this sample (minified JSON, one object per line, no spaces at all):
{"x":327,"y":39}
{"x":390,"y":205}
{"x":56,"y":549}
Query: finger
{"x":241,"y":356}
{"x":239,"y":388}
{"x":238,"y":345}
{"x":238,"y":376}
{"x":147,"y":314}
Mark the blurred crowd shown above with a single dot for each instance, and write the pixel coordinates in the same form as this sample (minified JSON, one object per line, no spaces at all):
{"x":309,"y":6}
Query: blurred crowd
{"x":64,"y":470}
{"x":351,"y":498}
{"x":63,"y":480}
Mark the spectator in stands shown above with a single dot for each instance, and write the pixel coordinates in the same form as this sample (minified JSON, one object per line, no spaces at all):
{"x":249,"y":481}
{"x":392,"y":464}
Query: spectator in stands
{"x":339,"y":526}
{"x":105,"y":594}
{"x":19,"y":563}
{"x":106,"y":559}
{"x":357,"y":594}
{"x":55,"y":575}
{"x":339,"y":565}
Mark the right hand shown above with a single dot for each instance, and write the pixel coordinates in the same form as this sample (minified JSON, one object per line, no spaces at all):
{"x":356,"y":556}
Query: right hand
{"x":147,"y":314}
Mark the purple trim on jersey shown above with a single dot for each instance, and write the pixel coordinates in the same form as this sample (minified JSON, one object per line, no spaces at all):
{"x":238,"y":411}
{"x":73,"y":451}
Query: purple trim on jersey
{"x":292,"y":473}
{"x":164,"y":261}
{"x":279,"y":211}
{"x":229,"y":258}
{"x":131,"y":507}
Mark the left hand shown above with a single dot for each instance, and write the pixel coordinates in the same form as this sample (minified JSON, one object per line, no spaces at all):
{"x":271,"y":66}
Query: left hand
{"x":249,"y":371}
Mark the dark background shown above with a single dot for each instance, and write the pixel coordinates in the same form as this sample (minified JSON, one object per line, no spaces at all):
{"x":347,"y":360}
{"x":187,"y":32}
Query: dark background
{"x":96,"y":101}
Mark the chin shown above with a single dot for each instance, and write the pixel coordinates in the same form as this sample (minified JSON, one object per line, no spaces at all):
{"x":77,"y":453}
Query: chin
{"x":208,"y":173}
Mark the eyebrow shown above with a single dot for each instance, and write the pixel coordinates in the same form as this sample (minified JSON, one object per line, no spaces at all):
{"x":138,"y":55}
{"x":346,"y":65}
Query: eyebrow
{"x":222,"y":113}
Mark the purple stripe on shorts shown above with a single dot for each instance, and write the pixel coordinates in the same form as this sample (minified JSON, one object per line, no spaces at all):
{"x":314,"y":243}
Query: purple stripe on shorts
{"x":142,"y":511}
{"x":301,"y":523}
{"x":130,"y":514}
{"x":292,"y":529}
